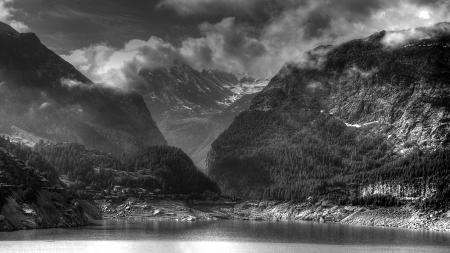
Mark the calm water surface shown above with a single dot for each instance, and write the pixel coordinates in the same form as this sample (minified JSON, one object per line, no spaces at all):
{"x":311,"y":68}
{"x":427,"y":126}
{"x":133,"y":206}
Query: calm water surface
{"x":223,"y":236}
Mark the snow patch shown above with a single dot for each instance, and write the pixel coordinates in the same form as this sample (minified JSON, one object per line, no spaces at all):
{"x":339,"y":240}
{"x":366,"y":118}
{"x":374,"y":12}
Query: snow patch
{"x":361,"y":125}
{"x":357,"y":71}
{"x":245,"y":88}
{"x":313,"y":86}
{"x":23,"y":137}
{"x":44,"y":105}
{"x":72,"y":83}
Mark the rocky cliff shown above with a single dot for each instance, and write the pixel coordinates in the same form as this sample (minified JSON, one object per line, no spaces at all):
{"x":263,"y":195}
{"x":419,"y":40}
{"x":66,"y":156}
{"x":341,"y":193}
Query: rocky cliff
{"x":31,"y":195}
{"x":359,"y":113}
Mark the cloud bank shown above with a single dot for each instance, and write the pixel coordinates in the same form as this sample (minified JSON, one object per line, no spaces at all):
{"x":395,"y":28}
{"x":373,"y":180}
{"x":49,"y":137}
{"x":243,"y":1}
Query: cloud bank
{"x":7,"y":16}
{"x":289,"y":29}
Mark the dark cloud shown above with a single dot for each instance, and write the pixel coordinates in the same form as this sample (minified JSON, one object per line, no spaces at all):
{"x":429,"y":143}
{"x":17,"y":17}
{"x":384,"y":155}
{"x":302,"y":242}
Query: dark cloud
{"x":109,"y":39}
{"x":65,"y":25}
{"x":316,"y":23}
{"x":359,"y":9}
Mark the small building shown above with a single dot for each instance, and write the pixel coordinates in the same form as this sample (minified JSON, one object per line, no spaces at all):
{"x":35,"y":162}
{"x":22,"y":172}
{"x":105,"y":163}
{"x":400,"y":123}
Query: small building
{"x":117,"y":188}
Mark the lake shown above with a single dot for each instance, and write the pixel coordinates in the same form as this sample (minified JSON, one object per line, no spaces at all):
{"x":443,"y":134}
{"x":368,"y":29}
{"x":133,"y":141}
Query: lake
{"x":221,"y":237}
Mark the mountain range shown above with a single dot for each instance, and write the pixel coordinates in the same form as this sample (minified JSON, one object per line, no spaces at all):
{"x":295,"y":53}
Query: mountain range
{"x":193,"y":107}
{"x":62,"y":134}
{"x":366,"y":117}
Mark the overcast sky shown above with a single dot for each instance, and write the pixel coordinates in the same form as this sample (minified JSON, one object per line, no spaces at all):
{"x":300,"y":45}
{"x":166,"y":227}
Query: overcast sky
{"x":109,"y":39}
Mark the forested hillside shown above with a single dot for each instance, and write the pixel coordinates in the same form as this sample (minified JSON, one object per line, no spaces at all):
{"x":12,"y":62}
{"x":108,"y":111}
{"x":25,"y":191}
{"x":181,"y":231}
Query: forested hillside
{"x":353,"y":115}
{"x":31,"y":195}
{"x":159,"y":167}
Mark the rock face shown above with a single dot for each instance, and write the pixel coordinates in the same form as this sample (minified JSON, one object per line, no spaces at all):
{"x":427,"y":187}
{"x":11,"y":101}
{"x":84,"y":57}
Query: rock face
{"x":180,"y":90}
{"x":29,"y":200}
{"x":406,"y":217}
{"x":42,"y":94}
{"x":342,"y":118}
{"x":400,"y":191}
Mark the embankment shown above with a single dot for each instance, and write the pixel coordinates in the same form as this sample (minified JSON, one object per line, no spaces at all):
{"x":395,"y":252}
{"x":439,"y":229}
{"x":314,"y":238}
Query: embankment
{"x":406,"y":216}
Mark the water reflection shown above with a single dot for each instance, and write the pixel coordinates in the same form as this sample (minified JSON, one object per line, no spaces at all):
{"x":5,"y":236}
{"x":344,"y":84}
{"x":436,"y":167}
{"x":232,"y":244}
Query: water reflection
{"x":223,"y":236}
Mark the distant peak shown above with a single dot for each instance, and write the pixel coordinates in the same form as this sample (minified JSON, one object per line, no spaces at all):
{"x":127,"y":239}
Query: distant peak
{"x":445,"y":25}
{"x":7,"y":28}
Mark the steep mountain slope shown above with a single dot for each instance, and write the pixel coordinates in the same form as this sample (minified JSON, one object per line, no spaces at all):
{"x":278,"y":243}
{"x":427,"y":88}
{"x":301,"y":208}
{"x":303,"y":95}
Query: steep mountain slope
{"x":43,"y":95}
{"x":360,"y":118}
{"x":31,"y":195}
{"x":195,"y":134}
{"x":193,"y":107}
{"x":180,"y":90}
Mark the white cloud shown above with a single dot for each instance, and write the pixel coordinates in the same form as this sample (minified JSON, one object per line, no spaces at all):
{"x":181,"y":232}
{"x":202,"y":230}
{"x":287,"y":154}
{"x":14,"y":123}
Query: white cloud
{"x":424,"y":14}
{"x":225,"y":45}
{"x":69,"y":83}
{"x":287,"y":39}
{"x":261,"y":51}
{"x":397,"y":38}
{"x":112,"y":66}
{"x":7,"y":16}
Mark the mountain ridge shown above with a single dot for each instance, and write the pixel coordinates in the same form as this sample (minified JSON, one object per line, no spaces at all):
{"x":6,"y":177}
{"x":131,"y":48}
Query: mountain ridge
{"x":43,"y":94}
{"x":332,"y":124}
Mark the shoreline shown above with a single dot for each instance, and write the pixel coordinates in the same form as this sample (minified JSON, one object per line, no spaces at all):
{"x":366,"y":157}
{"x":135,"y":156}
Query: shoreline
{"x":180,"y":210}
{"x":404,"y":217}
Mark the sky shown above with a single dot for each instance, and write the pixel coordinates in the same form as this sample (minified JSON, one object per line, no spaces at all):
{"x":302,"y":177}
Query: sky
{"x":112,"y":40}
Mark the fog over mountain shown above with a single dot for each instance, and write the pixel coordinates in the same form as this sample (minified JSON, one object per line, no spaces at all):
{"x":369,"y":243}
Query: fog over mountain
{"x":45,"y":98}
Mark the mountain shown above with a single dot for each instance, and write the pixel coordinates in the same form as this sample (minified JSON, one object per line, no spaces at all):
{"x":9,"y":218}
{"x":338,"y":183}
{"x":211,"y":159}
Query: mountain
{"x":193,"y":107}
{"x":364,"y":117}
{"x":47,"y":98}
{"x":31,"y":195}
{"x":160,"y":167}
{"x":83,"y":135}
{"x":179,"y":90}
{"x":196,"y":134}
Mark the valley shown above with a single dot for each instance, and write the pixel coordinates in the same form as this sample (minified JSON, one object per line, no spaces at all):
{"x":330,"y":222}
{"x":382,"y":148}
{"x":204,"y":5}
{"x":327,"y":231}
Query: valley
{"x":193,"y":107}
{"x":358,"y":134}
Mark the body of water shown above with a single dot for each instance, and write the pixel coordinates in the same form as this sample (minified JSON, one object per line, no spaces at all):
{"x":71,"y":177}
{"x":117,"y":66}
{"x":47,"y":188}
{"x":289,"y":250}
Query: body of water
{"x":221,"y":237}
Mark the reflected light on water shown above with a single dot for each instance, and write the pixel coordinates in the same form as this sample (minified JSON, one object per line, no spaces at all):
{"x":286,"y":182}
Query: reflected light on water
{"x":210,"y":247}
{"x":118,"y":247}
{"x":194,"y":247}
{"x":221,"y":237}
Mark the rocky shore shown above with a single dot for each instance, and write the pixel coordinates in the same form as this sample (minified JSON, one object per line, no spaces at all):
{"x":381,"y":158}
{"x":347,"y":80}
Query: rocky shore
{"x":133,"y":209}
{"x":407,"y":216}
{"x":50,"y":210}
